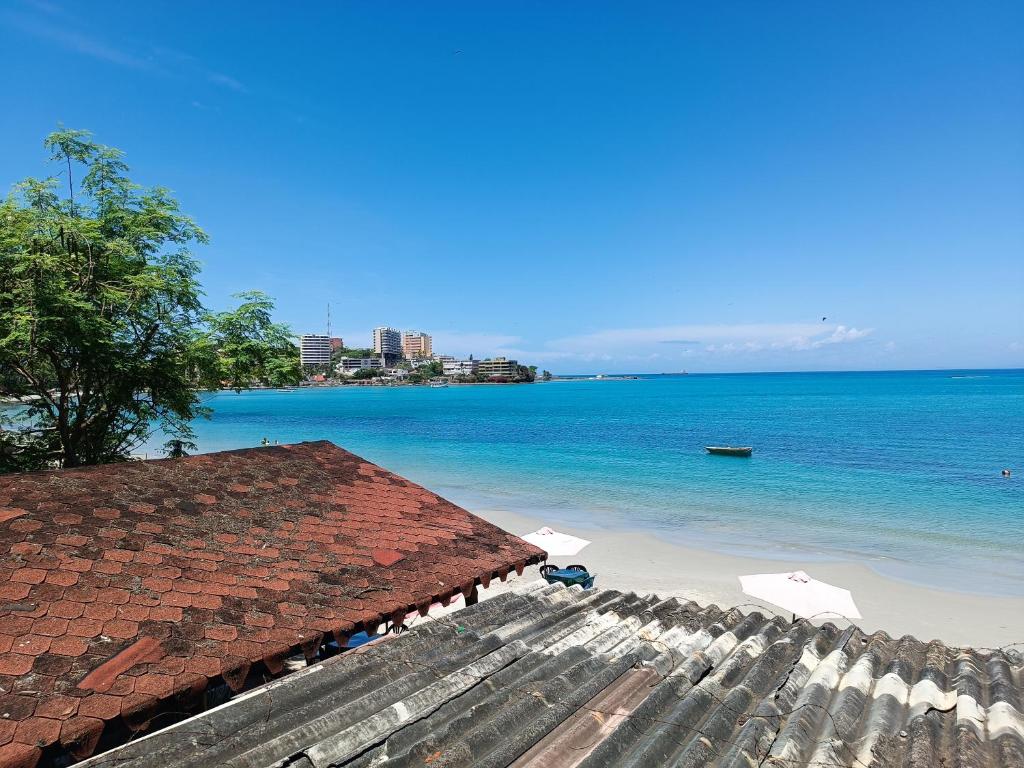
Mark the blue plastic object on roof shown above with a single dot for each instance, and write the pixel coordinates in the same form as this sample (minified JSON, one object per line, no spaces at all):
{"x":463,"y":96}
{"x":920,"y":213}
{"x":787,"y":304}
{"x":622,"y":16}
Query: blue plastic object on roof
{"x":359,"y":638}
{"x":570,"y":577}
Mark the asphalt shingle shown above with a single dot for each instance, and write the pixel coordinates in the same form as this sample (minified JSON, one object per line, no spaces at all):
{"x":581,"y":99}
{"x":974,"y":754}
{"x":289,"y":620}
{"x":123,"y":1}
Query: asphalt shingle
{"x":125,"y":590}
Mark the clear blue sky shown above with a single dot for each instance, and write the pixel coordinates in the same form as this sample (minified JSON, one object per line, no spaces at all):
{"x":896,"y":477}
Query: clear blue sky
{"x":587,"y":186}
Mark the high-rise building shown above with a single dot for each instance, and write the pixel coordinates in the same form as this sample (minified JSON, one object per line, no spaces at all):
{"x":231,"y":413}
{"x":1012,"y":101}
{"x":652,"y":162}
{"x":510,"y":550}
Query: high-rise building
{"x":416,"y":344}
{"x":387,"y":342}
{"x":337,"y":343}
{"x":314,"y":349}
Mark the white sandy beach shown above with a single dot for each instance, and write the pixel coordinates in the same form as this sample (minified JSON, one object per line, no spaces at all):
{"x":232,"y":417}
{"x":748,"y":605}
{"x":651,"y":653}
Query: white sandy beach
{"x":645,"y":564}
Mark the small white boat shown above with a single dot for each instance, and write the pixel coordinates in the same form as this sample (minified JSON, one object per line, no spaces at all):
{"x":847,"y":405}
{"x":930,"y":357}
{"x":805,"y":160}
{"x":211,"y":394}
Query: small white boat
{"x":438,"y":384}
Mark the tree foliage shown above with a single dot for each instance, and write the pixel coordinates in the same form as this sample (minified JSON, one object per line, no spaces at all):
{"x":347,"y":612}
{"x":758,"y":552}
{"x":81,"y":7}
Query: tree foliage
{"x":431,"y":369}
{"x":102,"y":328}
{"x":249,"y":347}
{"x":360,"y":352}
{"x":368,"y":373}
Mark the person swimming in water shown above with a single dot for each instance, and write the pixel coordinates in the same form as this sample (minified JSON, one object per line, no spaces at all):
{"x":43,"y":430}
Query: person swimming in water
{"x":1006,"y":473}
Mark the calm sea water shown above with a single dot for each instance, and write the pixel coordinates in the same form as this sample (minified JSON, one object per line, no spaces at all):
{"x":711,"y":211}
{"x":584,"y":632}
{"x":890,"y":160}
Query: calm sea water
{"x":899,"y":470}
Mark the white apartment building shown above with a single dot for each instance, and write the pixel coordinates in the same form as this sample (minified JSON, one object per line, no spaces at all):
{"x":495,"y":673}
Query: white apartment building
{"x":314,"y":349}
{"x":387,"y":341}
{"x":416,"y":345}
{"x":348,"y":365}
{"x":460,"y":367}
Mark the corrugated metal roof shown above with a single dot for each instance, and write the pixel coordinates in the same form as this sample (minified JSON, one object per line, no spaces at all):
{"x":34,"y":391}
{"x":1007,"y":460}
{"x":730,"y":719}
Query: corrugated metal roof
{"x":545,"y":676}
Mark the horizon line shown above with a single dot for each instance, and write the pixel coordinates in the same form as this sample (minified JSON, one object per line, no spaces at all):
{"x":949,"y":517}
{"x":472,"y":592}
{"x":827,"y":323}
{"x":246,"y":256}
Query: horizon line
{"x":749,"y":373}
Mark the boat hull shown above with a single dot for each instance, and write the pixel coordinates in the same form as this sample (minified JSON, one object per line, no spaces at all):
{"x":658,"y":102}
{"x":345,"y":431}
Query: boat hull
{"x":727,"y":450}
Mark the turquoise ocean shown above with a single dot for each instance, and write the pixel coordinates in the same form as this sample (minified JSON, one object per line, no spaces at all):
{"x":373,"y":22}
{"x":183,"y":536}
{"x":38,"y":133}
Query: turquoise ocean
{"x":899,"y":470}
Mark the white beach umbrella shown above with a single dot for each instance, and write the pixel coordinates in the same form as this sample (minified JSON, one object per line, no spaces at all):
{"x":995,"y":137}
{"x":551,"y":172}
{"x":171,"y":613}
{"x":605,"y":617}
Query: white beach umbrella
{"x":554,"y":543}
{"x":801,"y":595}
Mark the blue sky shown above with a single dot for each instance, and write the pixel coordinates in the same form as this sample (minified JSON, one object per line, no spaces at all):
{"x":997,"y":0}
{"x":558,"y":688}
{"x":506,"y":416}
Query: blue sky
{"x":586,"y":186}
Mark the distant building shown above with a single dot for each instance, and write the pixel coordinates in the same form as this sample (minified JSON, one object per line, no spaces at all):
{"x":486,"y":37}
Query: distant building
{"x":387,"y":342}
{"x":314,"y":349}
{"x":416,"y":345}
{"x":460,"y":367}
{"x":348,"y":365}
{"x":499,"y":366}
{"x":337,"y":343}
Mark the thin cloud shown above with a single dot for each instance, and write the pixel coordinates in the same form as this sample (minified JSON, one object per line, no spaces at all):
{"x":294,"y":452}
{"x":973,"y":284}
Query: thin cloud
{"x":55,"y":25}
{"x":840,"y":334}
{"x":616,"y":338}
{"x":226,"y":81}
{"x":844,"y":335}
{"x":75,"y":41}
{"x":753,"y":340}
{"x":45,"y":7}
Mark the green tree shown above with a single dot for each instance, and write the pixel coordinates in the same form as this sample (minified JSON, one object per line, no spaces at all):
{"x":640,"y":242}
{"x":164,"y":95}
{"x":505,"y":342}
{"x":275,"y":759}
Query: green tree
{"x":248,"y":347}
{"x":546,"y":375}
{"x":524,"y":373}
{"x":102,"y":328}
{"x":431,"y":369}
{"x":352,"y":352}
{"x":368,"y":373}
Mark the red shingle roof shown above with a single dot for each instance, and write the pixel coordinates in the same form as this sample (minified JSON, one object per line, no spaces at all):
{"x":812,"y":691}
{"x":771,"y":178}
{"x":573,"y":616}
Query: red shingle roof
{"x":125,"y":588}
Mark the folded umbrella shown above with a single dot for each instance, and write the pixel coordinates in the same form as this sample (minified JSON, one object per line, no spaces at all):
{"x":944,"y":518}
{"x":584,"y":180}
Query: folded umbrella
{"x":799,"y":594}
{"x":554,"y":543}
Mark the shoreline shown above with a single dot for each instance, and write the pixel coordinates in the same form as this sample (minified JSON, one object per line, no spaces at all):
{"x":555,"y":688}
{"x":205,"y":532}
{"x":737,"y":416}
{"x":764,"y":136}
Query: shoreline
{"x":952,"y":576}
{"x":355,"y":383}
{"x":644,"y":563}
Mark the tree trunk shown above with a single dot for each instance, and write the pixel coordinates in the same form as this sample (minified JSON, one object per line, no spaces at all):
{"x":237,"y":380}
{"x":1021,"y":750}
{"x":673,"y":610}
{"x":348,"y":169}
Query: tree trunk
{"x":70,"y":458}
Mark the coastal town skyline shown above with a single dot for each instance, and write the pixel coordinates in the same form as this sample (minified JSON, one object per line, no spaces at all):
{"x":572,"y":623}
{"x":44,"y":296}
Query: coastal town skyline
{"x":511,"y":384}
{"x":401,"y":357}
{"x":701,"y":189}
